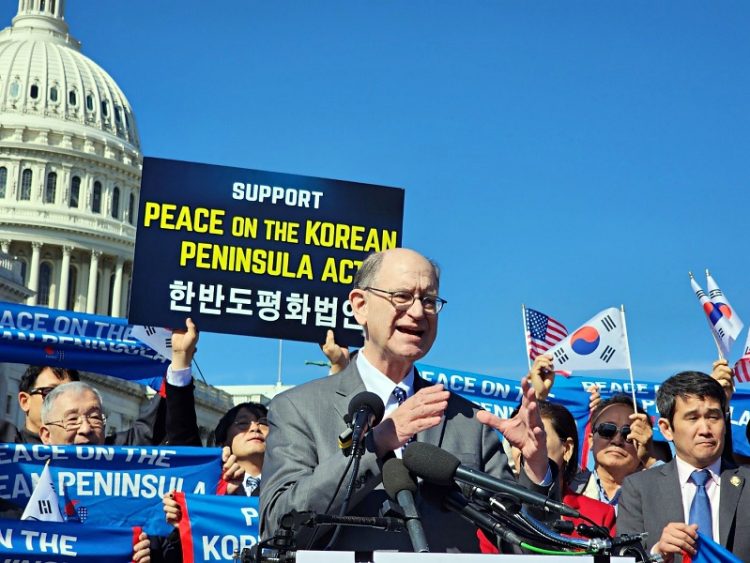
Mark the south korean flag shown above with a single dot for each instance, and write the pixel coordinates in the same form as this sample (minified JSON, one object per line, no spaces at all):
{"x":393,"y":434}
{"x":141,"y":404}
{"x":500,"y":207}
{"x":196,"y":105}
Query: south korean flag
{"x":600,"y":344}
{"x":157,"y":338}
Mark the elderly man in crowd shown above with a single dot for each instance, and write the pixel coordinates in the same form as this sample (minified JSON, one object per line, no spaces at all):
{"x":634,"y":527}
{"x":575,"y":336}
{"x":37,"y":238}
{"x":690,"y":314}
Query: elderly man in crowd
{"x":395,"y":299}
{"x":72,"y":414}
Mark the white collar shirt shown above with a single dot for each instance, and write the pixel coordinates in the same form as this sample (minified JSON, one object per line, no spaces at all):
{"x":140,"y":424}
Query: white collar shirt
{"x":377,"y":382}
{"x":713,"y":489}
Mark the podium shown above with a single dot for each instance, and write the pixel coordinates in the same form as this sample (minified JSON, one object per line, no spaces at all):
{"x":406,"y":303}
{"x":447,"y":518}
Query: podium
{"x":396,"y":557}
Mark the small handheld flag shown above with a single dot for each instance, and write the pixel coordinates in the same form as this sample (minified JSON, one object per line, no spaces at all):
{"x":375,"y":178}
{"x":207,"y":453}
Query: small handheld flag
{"x":742,"y":367}
{"x":43,"y":504}
{"x":600,"y":344}
{"x":542,"y":332}
{"x":721,"y":302}
{"x":720,"y":326}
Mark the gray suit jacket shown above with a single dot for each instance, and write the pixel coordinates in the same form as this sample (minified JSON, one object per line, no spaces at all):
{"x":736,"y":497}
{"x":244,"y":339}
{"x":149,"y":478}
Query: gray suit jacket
{"x":303,"y":465}
{"x":652,"y":499}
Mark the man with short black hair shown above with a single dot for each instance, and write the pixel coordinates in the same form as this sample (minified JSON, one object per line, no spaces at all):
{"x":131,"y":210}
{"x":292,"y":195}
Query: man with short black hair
{"x":697,"y":491}
{"x":35,"y":384}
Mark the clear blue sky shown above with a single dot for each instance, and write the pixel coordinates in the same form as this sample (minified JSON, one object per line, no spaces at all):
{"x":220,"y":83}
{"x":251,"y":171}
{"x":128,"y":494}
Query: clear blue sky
{"x":567,"y":155}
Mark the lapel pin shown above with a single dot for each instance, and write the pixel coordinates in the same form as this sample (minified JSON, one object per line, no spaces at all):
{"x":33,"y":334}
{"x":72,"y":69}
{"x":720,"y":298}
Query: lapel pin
{"x":736,"y":481}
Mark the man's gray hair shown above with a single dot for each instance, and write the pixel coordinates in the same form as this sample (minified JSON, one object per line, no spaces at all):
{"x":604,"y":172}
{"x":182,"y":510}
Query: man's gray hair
{"x":73,"y":388}
{"x":368,"y":271}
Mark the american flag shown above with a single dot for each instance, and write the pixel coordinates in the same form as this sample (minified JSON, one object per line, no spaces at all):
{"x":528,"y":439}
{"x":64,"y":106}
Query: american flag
{"x":542,"y":332}
{"x":742,"y":367}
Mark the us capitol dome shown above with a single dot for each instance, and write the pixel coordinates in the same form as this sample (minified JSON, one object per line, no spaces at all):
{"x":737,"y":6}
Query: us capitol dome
{"x":70,"y":167}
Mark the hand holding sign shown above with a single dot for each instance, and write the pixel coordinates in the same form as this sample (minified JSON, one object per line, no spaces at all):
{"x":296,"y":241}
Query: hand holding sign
{"x":184,"y":342}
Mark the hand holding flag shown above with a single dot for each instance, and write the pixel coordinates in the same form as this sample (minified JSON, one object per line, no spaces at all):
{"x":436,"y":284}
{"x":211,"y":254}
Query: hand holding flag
{"x":542,"y":332}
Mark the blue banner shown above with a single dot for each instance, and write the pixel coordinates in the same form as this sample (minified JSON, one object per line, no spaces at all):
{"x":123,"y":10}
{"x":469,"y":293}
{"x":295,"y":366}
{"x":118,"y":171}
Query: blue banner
{"x":50,"y":337}
{"x":500,"y":396}
{"x":58,"y":542}
{"x":213,"y":527}
{"x":255,"y":253}
{"x":110,"y":486}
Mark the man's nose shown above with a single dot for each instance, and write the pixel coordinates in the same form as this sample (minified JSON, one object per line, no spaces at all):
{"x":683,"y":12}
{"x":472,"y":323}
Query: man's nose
{"x":417,"y":308}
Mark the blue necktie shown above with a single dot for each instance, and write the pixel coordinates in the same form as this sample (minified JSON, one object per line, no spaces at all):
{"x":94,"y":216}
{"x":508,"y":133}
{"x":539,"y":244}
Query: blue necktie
{"x":400,"y":396}
{"x":700,"y":509}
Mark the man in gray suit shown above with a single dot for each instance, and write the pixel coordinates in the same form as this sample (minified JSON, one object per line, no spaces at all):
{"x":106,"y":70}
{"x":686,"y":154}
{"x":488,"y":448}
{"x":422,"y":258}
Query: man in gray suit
{"x":395,"y":300}
{"x":696,"y":491}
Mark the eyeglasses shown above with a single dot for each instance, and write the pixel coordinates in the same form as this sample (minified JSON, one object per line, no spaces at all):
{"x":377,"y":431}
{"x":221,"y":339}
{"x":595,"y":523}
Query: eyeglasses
{"x":245,"y":425}
{"x":607,"y":430}
{"x":402,"y":300}
{"x":43,"y":391}
{"x":75,"y":421}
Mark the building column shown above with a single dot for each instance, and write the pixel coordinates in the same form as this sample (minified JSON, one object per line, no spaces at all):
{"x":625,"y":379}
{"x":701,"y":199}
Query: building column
{"x":36,"y":251}
{"x":117,"y":289}
{"x":104,"y":296}
{"x":125,"y":291}
{"x":62,"y":294}
{"x":93,"y":273}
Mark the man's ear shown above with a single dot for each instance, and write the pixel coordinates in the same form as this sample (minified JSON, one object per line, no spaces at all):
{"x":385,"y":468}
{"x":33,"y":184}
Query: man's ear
{"x":359,"y":305}
{"x":666,"y":429}
{"x":44,"y":434}
{"x":23,"y":401}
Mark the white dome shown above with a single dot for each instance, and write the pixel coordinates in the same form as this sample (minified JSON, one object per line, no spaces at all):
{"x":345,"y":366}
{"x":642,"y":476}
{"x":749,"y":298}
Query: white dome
{"x":43,"y":74}
{"x":70,"y":166}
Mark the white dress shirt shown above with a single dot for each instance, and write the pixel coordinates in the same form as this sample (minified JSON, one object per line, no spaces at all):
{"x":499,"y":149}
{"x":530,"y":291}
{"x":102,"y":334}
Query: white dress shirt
{"x":377,"y":382}
{"x":713,"y":489}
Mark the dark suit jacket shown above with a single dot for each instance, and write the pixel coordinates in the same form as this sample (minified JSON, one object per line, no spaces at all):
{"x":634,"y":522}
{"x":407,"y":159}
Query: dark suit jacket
{"x":303,"y":465}
{"x":652,"y":499}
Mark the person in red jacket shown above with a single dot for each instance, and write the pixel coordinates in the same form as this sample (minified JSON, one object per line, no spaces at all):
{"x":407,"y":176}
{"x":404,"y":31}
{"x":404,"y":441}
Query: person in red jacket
{"x":562,"y":448}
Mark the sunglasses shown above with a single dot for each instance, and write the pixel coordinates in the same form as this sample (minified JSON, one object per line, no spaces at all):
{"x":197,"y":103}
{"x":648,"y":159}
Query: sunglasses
{"x":608,"y":430}
{"x":43,"y":391}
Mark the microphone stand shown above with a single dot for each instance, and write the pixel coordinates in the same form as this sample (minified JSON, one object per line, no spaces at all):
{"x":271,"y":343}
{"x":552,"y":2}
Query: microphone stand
{"x":357,"y":452}
{"x":284,"y":545}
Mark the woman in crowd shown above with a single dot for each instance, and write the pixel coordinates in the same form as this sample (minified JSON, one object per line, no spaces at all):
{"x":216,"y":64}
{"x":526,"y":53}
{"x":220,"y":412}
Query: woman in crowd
{"x":562,"y":448}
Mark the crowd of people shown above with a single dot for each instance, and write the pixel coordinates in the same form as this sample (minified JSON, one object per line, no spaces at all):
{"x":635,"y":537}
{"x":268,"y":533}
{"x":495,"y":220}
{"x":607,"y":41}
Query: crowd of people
{"x":287,"y":453}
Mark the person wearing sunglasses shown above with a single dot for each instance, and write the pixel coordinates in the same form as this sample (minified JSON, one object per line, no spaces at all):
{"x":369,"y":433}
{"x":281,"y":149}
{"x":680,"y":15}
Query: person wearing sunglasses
{"x":621,"y":441}
{"x":36,"y":383}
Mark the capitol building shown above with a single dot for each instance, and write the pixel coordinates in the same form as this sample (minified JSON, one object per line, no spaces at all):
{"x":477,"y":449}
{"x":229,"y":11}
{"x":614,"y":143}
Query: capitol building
{"x":70,"y":174}
{"x":69,"y":166}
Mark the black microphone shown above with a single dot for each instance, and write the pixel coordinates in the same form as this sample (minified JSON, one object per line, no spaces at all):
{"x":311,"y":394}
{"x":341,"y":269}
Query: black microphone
{"x":459,"y":504}
{"x":440,"y":467}
{"x":401,"y":487}
{"x":366,"y":410}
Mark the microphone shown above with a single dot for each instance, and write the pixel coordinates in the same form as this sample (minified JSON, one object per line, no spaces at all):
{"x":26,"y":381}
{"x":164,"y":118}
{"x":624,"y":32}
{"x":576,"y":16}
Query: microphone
{"x":440,"y":467}
{"x":459,"y":504}
{"x":401,"y":487}
{"x":366,"y":410}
